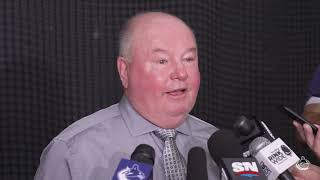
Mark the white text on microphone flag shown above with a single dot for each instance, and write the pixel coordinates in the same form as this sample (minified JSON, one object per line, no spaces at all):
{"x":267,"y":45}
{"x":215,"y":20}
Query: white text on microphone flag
{"x":278,"y":157}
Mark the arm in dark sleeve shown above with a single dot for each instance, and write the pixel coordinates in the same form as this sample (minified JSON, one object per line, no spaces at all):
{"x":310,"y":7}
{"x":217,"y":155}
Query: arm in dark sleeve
{"x":312,"y":108}
{"x":314,"y":85}
{"x":53,"y":162}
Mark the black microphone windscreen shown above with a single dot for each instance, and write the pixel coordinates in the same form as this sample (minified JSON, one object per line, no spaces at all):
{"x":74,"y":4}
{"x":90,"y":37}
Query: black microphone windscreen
{"x":197,"y":164}
{"x":243,"y":126}
{"x":224,"y":144}
{"x":143,"y":153}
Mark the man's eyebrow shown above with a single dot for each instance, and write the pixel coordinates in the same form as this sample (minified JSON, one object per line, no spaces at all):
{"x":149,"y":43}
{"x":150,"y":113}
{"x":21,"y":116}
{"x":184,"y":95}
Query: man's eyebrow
{"x":159,"y":50}
{"x":192,"y":49}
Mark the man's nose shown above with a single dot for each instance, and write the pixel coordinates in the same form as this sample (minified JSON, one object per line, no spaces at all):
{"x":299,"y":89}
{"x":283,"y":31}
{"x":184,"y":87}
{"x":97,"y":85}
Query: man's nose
{"x":179,"y":71}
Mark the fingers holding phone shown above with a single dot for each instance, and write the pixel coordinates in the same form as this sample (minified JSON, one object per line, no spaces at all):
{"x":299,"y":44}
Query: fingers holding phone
{"x":307,"y":135}
{"x":296,"y":117}
{"x":300,"y":131}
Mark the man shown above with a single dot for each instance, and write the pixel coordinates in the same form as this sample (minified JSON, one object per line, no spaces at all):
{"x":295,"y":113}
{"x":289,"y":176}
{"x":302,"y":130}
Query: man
{"x":158,"y":68}
{"x":312,"y":106}
{"x":305,"y":134}
{"x":312,"y":173}
{"x":312,"y":113}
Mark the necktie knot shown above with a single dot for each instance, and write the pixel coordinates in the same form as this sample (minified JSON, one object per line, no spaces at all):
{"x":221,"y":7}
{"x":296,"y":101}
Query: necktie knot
{"x":164,"y":134}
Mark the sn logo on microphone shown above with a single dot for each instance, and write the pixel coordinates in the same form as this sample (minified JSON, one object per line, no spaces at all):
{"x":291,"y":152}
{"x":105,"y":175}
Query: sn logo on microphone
{"x":247,"y":169}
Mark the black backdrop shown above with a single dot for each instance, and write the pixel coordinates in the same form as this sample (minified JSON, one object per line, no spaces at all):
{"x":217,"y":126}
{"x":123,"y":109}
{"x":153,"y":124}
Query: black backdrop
{"x":57,"y":64}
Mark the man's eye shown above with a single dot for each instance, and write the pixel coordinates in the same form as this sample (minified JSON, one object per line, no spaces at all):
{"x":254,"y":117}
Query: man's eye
{"x":163,"y":61}
{"x":189,"y":59}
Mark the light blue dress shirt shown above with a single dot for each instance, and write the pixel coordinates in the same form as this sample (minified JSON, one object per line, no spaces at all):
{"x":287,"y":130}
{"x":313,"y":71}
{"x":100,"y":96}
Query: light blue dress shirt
{"x":91,"y":148}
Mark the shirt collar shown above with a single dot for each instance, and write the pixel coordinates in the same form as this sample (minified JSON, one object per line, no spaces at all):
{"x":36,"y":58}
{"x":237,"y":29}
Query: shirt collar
{"x":138,"y":125}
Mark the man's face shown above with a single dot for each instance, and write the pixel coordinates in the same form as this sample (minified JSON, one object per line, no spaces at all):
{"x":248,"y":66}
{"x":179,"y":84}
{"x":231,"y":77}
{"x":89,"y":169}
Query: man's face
{"x":163,"y":76}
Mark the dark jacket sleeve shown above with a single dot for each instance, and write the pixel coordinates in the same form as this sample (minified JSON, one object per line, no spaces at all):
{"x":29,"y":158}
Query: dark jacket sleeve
{"x":314,"y":85}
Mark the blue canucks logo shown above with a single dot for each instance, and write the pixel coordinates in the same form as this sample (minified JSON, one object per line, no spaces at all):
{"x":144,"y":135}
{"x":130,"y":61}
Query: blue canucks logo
{"x":131,"y":173}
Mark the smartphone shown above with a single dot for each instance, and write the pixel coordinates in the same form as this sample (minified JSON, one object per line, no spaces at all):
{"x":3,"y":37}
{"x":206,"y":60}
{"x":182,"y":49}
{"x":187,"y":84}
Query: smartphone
{"x":293,"y":115}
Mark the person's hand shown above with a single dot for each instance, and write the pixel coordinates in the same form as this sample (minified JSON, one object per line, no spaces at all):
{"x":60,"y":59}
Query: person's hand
{"x":306,"y":135}
{"x":312,"y":173}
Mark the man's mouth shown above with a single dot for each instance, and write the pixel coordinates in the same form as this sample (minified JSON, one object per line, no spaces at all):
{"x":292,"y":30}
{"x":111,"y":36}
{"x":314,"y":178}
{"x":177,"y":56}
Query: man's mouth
{"x":177,"y":92}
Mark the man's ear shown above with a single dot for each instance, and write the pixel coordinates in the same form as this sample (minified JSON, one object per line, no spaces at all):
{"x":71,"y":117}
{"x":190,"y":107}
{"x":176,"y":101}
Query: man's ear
{"x":123,"y":68}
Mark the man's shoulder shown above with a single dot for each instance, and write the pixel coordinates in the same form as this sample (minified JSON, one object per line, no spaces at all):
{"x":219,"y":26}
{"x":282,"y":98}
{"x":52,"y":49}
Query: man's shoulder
{"x":200,"y":128}
{"x":90,"y":123}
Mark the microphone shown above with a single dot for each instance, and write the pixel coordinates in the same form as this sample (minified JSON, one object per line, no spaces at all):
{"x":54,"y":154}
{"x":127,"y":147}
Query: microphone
{"x":226,"y":150}
{"x":249,"y":129}
{"x":274,"y":157}
{"x":139,"y":167}
{"x":270,"y":135}
{"x":197,"y":164}
{"x":244,"y":126}
{"x":143,"y":153}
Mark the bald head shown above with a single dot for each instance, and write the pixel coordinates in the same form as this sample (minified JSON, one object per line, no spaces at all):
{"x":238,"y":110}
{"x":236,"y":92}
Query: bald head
{"x":141,"y":23}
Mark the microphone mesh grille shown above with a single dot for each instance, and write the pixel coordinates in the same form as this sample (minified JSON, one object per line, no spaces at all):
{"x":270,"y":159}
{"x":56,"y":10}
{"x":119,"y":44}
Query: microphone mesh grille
{"x":257,"y":144}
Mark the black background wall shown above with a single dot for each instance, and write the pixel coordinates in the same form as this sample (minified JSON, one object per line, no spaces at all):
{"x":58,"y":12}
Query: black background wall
{"x":57,"y":64}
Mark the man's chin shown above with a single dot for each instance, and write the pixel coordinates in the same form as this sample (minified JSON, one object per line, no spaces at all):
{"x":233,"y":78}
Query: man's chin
{"x":171,"y":124}
{"x":177,"y":112}
{"x":178,"y":118}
